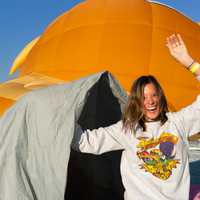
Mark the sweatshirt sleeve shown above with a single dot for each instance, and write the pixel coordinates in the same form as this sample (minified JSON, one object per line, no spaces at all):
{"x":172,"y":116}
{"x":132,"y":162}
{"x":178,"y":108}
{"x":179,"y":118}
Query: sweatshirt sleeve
{"x":100,"y":140}
{"x":190,"y":117}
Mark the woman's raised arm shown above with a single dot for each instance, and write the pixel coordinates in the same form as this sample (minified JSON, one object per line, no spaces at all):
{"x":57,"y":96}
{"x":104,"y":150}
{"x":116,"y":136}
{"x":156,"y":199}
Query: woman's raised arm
{"x":179,"y":52}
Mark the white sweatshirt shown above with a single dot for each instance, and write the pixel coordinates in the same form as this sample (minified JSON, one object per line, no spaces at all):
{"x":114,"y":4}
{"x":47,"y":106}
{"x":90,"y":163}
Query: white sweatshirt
{"x":154,"y":163}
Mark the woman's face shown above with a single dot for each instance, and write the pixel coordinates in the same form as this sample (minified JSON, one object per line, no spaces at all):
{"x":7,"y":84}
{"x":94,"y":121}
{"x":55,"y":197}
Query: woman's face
{"x":150,"y":102}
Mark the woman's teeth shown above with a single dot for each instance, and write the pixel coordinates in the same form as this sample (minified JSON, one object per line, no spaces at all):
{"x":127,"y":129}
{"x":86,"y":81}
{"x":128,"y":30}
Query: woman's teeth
{"x":150,"y":109}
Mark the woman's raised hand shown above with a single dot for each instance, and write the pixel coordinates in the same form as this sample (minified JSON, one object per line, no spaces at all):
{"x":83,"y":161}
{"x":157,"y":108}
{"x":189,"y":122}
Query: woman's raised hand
{"x":178,"y":50}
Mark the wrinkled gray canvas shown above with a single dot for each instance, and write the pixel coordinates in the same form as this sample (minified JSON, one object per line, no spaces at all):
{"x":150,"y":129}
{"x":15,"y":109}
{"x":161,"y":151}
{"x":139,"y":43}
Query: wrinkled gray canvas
{"x":35,"y":137}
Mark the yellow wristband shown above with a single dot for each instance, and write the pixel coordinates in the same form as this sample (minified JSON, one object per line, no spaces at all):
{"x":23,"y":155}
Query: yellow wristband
{"x":195,"y":67}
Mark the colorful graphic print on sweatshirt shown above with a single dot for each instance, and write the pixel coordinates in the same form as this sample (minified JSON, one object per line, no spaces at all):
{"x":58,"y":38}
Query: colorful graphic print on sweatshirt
{"x":158,"y":155}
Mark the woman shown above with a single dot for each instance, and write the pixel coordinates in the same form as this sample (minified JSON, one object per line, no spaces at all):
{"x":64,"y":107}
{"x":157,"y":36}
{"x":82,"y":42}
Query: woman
{"x":154,"y":163}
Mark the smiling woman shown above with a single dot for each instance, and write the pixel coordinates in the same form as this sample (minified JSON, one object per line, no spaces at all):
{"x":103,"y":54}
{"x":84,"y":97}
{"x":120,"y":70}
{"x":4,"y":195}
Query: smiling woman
{"x":153,"y":140}
{"x":147,"y":103}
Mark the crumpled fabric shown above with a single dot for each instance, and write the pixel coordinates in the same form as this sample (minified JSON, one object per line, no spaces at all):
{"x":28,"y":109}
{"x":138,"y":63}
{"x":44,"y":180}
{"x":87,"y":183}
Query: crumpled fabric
{"x":36,"y":134}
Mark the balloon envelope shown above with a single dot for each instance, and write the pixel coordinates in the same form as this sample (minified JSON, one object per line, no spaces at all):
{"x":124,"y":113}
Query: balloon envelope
{"x":125,"y":37}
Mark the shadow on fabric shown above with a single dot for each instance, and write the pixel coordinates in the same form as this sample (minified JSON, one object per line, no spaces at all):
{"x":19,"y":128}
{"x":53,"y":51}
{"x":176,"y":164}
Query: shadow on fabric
{"x":96,"y":177}
{"x":195,"y":173}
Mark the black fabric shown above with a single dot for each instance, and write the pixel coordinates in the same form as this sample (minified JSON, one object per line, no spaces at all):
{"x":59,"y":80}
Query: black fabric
{"x":96,"y":177}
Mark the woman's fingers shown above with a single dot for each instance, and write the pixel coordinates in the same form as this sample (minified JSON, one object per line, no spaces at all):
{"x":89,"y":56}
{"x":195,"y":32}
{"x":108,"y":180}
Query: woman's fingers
{"x":174,"y":41}
{"x":180,"y":40}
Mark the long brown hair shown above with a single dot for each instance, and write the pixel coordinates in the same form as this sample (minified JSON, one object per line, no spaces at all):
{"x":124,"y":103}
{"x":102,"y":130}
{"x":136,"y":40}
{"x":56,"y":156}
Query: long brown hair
{"x":133,"y":113}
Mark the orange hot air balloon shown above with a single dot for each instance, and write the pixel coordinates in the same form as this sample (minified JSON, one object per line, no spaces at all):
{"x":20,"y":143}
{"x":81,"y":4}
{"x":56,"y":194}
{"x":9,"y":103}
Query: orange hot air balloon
{"x":125,"y":37}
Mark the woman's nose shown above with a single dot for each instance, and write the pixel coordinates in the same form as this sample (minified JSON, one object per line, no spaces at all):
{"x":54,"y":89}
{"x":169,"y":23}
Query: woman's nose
{"x":150,"y":100}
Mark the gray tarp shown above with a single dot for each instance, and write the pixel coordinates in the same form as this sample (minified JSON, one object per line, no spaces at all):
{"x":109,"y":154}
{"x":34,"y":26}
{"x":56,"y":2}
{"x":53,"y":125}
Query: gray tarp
{"x":35,"y":137}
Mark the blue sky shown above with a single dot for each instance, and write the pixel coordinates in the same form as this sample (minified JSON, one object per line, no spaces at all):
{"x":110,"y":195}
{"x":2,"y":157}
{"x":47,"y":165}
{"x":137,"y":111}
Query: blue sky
{"x":21,"y":21}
